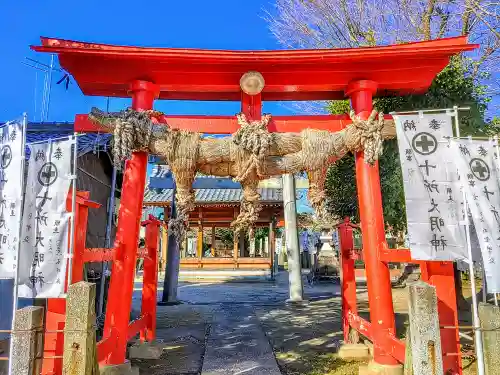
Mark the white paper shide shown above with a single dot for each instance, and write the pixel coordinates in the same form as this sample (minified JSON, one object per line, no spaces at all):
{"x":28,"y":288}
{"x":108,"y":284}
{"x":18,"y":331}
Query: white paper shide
{"x":477,"y":163}
{"x":434,"y":204}
{"x":44,"y":240}
{"x":11,"y":181}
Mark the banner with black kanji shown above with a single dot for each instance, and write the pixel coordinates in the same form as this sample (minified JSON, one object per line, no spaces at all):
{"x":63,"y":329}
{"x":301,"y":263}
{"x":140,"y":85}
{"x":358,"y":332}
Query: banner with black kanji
{"x":44,"y":240}
{"x":11,"y":193}
{"x":434,"y":204}
{"x":477,"y":163}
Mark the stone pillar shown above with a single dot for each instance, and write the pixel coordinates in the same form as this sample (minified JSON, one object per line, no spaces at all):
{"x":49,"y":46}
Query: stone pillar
{"x":27,"y":341}
{"x":80,"y":353}
{"x":489,"y":316}
{"x":292,"y":239}
{"x":171,"y":281}
{"x":425,"y":334}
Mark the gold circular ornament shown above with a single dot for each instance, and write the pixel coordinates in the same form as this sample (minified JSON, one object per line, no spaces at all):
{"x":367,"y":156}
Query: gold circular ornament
{"x":252,"y":83}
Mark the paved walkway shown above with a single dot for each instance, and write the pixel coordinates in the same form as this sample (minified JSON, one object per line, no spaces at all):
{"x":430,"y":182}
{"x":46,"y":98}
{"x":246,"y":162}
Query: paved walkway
{"x":222,"y":328}
{"x":237,"y":344}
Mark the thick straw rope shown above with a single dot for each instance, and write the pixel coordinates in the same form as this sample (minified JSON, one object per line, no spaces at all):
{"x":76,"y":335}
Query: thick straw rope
{"x":249,"y":155}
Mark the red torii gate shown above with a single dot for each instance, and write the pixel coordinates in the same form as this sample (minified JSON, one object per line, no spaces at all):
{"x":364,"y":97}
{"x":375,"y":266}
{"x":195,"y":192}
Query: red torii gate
{"x":146,"y":74}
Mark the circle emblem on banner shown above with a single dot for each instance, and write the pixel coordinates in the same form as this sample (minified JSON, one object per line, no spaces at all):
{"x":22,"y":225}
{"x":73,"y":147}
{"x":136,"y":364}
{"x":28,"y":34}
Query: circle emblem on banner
{"x":47,"y":175}
{"x":424,"y":143}
{"x":480,"y":169}
{"x":5,"y":157}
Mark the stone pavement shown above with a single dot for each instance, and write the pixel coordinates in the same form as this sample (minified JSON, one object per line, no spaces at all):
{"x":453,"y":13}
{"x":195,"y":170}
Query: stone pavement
{"x":238,"y":345}
{"x":219,"y":327}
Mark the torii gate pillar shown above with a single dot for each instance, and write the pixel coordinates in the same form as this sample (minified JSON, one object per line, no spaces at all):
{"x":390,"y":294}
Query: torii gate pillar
{"x":129,"y":217}
{"x":373,"y":232}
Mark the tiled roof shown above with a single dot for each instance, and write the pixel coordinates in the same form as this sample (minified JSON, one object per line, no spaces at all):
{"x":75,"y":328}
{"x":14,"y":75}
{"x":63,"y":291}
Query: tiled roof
{"x":42,"y":131}
{"x":209,"y":196}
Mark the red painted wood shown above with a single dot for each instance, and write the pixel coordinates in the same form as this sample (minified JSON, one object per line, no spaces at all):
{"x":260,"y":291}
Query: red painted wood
{"x":348,"y":283}
{"x":396,"y":256}
{"x":150,"y":278}
{"x":123,"y":269}
{"x":251,"y":106}
{"x":289,"y":74}
{"x":53,"y":345}
{"x":56,"y":307}
{"x":136,"y":327}
{"x":83,"y":203}
{"x":359,"y":324}
{"x":373,"y":231}
{"x":98,"y":255}
{"x":440,"y":275}
{"x":394,"y":346}
{"x":229,"y":124}
{"x":105,"y":347}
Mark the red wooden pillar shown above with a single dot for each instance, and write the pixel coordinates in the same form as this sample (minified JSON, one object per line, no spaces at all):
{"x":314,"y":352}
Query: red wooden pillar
{"x":82,"y":213}
{"x":127,"y":236}
{"x":348,"y":283}
{"x":56,"y":307}
{"x":440,"y":275}
{"x":150,"y":278}
{"x":251,"y":106}
{"x":373,"y":232}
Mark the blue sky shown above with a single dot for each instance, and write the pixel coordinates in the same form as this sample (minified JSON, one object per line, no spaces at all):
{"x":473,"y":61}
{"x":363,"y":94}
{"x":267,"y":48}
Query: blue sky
{"x":221,"y":24}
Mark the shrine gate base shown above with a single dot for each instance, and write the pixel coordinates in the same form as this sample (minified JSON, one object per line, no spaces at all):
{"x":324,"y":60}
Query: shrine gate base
{"x":438,"y":274}
{"x":144,"y":326}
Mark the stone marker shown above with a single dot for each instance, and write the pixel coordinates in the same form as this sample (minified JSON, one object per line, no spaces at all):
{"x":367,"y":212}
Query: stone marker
{"x":408,"y":365}
{"x":27,"y":341}
{"x":425,"y":335}
{"x":79,"y":356}
{"x":489,"y":317}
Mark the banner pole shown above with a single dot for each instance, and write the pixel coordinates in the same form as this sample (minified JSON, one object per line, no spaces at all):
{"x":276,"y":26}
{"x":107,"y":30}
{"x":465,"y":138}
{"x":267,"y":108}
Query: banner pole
{"x":73,"y":209}
{"x":475,"y":313}
{"x":498,"y":162}
{"x":18,"y":250}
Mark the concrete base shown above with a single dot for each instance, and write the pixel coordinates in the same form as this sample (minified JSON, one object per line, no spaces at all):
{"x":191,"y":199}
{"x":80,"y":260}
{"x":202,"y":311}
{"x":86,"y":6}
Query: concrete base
{"x":147,"y":350}
{"x":370,"y":346}
{"x":297,"y":302}
{"x":376,"y":369}
{"x":354,"y":351}
{"x":122,"y":369}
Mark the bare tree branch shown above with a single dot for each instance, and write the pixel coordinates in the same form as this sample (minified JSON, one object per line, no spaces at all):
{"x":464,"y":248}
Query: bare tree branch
{"x":353,"y":23}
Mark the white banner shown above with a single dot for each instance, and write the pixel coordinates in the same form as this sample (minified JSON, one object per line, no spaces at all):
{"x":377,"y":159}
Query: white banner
{"x":45,"y":238}
{"x":477,"y":163}
{"x":434,"y":204}
{"x":11,"y":192}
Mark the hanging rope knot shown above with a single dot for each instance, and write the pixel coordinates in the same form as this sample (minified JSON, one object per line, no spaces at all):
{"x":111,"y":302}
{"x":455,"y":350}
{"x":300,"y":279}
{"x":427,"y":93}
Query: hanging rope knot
{"x":369,"y":135}
{"x":250,"y":208}
{"x":178,"y":227}
{"x":132,"y":130}
{"x":254,"y":141}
